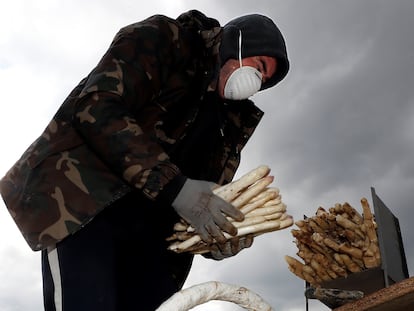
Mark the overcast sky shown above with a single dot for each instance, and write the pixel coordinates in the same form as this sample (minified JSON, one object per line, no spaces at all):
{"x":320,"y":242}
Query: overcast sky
{"x":340,"y":123}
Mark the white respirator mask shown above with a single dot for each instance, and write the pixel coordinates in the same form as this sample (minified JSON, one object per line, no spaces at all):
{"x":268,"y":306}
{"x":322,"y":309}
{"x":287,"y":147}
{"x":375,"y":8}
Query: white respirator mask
{"x":244,"y":82}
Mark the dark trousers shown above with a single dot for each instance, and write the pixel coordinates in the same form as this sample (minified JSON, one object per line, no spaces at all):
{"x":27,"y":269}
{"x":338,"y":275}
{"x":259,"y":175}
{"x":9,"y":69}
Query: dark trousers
{"x":117,"y":262}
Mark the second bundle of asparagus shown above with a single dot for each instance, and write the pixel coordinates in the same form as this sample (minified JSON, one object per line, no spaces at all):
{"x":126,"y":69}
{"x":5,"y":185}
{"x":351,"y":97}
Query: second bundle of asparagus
{"x":335,"y":243}
{"x":261,"y":204}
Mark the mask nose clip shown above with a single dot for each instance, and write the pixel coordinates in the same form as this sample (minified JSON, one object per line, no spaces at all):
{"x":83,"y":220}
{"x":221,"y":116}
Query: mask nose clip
{"x":240,"y":49}
{"x":244,"y":82}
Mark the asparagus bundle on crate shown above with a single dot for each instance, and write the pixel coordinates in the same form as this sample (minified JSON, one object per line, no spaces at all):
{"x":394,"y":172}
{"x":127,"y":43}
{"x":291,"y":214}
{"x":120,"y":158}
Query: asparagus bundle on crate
{"x":261,"y":204}
{"x":335,"y":243}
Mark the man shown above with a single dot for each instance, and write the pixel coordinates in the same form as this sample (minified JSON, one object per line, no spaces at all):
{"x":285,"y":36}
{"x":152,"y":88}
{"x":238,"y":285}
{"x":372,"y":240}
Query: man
{"x":137,"y":145}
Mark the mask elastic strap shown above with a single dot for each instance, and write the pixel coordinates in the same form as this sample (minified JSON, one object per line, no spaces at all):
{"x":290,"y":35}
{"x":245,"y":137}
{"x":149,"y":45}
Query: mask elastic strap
{"x":240,"y":48}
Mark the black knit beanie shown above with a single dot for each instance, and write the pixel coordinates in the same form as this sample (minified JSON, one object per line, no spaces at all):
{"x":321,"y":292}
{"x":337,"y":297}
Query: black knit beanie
{"x":260,"y":37}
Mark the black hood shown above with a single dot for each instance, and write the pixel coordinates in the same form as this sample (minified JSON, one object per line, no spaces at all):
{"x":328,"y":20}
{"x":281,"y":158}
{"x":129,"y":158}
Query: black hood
{"x":260,"y":37}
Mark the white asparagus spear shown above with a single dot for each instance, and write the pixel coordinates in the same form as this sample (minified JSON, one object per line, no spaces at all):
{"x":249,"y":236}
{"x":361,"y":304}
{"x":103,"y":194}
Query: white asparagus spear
{"x":280,"y":216}
{"x":249,"y":221}
{"x":251,"y":205}
{"x":286,"y":223}
{"x":252,"y":191}
{"x":242,"y":231}
{"x":269,"y":192}
{"x":231,"y":190}
{"x":267,"y":210}
{"x":246,"y":209}
{"x":179,"y":226}
{"x":258,"y":219}
{"x":266,"y":226}
{"x":182,"y":246}
{"x":275,"y":201}
{"x":256,"y":230}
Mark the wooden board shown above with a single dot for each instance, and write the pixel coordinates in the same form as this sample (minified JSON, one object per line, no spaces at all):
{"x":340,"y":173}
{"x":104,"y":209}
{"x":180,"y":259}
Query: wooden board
{"x":397,"y":297}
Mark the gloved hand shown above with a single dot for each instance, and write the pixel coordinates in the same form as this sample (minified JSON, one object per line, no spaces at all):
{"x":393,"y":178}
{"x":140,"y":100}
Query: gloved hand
{"x":230,"y":248}
{"x":203,"y":210}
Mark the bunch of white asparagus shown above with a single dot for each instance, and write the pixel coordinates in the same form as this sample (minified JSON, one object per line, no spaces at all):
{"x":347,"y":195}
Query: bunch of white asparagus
{"x":335,"y":243}
{"x":261,"y":204}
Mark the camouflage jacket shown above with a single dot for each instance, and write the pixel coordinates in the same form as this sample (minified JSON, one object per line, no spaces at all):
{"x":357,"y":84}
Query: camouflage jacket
{"x":144,"y":115}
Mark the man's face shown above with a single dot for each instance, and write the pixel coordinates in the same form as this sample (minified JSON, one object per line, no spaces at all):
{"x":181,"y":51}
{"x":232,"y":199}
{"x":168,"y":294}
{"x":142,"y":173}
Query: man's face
{"x":267,"y":65}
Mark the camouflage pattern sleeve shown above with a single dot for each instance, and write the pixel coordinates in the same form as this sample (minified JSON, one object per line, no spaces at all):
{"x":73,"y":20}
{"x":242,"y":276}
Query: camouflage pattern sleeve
{"x":121,"y":88}
{"x":119,"y":129}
